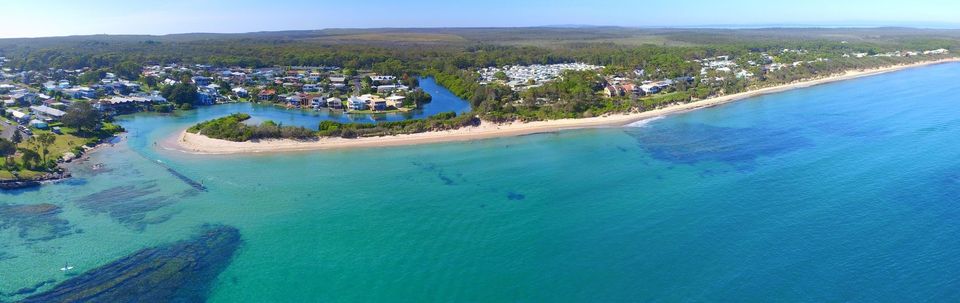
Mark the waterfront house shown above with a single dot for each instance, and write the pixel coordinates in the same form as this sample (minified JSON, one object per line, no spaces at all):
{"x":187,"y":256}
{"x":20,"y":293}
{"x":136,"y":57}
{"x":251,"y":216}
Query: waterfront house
{"x":295,"y":100}
{"x":207,"y":95}
{"x":613,"y":91}
{"x":379,"y":104}
{"x":650,"y":88}
{"x":121,"y":104}
{"x":356,"y":103}
{"x":267,"y":95}
{"x":395,"y":101}
{"x":240,"y":92}
{"x":334,"y":103}
{"x":317,"y":101}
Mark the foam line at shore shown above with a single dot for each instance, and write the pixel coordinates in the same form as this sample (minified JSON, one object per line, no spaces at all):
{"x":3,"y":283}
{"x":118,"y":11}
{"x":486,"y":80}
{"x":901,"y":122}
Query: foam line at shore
{"x":197,"y":144}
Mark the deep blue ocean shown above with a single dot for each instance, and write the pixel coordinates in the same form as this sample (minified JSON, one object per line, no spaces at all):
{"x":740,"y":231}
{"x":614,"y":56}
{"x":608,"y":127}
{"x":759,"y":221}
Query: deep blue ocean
{"x":844,"y":192}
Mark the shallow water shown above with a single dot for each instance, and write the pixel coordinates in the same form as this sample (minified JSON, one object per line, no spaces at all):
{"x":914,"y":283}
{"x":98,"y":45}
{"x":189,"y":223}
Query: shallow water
{"x":817,"y":194}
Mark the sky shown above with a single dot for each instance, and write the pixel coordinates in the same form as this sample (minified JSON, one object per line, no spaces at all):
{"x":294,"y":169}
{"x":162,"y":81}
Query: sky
{"x":39,"y":18}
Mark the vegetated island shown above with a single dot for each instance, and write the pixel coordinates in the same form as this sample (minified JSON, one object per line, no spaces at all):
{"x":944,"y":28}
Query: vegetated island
{"x":228,"y":135}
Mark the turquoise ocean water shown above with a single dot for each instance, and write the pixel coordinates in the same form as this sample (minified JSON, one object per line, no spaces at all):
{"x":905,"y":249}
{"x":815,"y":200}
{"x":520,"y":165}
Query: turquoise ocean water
{"x":848,"y":191}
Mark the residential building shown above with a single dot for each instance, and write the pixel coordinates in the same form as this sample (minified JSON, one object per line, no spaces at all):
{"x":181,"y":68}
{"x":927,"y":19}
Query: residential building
{"x":48,"y":112}
{"x":267,"y":95}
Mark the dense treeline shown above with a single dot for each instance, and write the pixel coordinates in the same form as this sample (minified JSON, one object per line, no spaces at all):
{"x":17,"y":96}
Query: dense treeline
{"x":232,"y":128}
{"x":125,"y":56}
{"x":438,"y":122}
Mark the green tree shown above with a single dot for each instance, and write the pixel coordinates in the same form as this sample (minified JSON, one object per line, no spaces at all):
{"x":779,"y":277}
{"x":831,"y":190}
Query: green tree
{"x":30,"y":158}
{"x":91,"y":77}
{"x":128,"y":70}
{"x":150,"y":81}
{"x":17,"y":137}
{"x":81,"y":115}
{"x":7,"y":149}
{"x":43,"y":142}
{"x":180,"y":93}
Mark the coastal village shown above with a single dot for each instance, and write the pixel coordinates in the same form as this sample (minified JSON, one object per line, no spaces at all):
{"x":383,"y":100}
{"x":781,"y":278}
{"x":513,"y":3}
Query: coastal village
{"x":640,"y":83}
{"x":36,"y":101}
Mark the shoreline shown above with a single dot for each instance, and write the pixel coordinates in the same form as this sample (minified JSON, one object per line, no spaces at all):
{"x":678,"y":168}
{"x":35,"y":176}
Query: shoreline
{"x":64,"y":173}
{"x":198,"y":144}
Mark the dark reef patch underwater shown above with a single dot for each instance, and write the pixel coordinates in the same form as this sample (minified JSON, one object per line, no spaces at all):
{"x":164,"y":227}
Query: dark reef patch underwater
{"x":131,"y":204}
{"x":696,"y":142}
{"x":34,"y":222}
{"x":178,"y":272}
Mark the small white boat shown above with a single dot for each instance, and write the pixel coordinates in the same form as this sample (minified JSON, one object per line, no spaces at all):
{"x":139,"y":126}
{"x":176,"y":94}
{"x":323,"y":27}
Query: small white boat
{"x":66,"y":267}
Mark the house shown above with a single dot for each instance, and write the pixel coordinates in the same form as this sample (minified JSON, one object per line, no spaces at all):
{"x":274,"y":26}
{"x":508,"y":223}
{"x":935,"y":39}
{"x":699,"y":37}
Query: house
{"x":382,"y":79}
{"x":379,"y":104}
{"x":122,"y":104}
{"x":311,"y":88}
{"x":334,"y":103}
{"x":80,"y":92}
{"x":38,"y":124}
{"x":49,"y":112}
{"x":267,"y":95}
{"x":207,"y":95}
{"x":240,"y":92}
{"x":19,"y":116}
{"x":632,"y":89}
{"x":25,"y":98}
{"x":318,"y":101}
{"x":395,"y":101}
{"x":202,"y":81}
{"x":132,"y":87}
{"x":293,"y":100}
{"x":650,"y":88}
{"x":356,"y":103}
{"x":386,"y":88}
{"x":613,"y":91}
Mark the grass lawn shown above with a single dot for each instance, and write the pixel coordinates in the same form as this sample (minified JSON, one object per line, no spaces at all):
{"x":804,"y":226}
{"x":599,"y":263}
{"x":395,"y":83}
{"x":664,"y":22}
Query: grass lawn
{"x":65,"y":143}
{"x":6,"y":175}
{"x":29,"y":174}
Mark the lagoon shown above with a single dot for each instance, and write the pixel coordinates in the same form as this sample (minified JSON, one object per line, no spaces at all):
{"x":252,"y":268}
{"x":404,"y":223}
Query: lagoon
{"x":443,"y":101}
{"x":815,"y":194}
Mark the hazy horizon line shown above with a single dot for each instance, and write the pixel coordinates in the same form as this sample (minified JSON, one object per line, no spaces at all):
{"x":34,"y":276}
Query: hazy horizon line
{"x":837,"y":25}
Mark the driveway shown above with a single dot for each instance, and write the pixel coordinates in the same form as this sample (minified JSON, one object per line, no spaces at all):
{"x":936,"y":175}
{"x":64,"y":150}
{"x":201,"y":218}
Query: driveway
{"x":8,"y":129}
